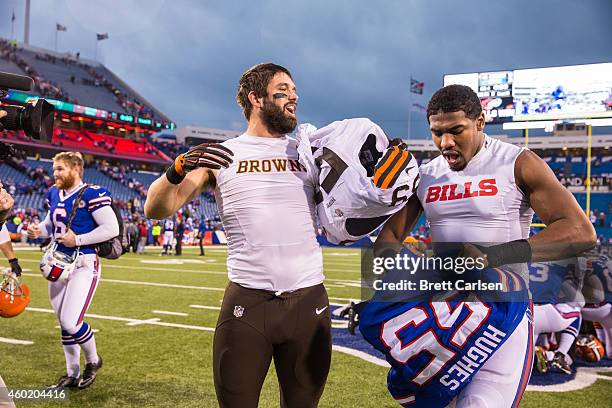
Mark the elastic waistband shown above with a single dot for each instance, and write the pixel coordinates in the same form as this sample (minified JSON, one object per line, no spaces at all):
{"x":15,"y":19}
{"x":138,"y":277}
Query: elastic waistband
{"x":278,"y":294}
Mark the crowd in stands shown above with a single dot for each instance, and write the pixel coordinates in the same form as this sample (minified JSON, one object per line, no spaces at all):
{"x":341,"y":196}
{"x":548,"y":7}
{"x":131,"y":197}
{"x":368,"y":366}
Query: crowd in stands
{"x":50,"y":89}
{"x":44,"y":87}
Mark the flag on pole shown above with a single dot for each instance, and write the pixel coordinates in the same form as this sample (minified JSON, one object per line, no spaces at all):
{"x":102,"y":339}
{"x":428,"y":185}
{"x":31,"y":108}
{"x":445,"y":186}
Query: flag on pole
{"x":60,"y":27}
{"x":416,"y":86}
{"x":101,"y":37}
{"x":13,"y":18}
{"x":416,"y":107}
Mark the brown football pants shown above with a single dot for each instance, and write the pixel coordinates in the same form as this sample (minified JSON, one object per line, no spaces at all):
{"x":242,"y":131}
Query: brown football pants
{"x":255,"y":326}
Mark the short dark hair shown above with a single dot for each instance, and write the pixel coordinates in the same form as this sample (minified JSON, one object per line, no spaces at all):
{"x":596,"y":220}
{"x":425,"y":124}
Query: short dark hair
{"x":256,"y":79}
{"x":455,"y":98}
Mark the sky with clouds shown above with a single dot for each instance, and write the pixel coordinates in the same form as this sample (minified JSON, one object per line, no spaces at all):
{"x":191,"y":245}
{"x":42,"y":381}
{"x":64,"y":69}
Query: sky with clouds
{"x":349,"y":58}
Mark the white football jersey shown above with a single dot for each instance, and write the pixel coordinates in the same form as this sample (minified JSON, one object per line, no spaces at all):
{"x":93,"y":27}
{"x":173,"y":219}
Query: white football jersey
{"x":479,"y":204}
{"x":342,"y":156}
{"x":266,"y":203}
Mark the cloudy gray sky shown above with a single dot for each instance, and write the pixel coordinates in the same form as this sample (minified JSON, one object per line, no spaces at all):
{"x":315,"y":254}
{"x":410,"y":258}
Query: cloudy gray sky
{"x":349,"y":58}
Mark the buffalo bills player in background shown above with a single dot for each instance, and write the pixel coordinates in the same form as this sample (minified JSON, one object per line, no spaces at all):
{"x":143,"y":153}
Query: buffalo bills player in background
{"x":168,"y":236}
{"x":556,"y":288}
{"x":483,"y":190}
{"x":70,"y":296}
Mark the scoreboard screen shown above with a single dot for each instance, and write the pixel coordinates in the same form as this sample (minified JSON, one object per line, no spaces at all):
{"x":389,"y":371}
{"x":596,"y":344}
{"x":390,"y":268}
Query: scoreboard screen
{"x":569,"y":92}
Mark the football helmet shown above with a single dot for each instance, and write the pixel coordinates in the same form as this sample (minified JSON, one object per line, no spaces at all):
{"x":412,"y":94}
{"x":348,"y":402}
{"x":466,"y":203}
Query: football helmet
{"x":57,"y":266}
{"x":14,"y":296}
{"x":590,"y":348}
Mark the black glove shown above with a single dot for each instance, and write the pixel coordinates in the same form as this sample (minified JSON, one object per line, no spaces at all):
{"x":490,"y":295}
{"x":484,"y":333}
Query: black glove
{"x":15,"y":267}
{"x":209,"y":155}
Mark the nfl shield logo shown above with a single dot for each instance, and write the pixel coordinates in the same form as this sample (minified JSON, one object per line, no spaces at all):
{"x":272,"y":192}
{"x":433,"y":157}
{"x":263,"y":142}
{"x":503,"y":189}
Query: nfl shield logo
{"x":238,"y":311}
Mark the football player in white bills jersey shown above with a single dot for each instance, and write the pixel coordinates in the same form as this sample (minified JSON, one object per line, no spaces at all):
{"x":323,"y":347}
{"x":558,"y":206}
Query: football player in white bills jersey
{"x":71,"y":263}
{"x":483,"y":190}
{"x":168,"y":236}
{"x":275,"y":306}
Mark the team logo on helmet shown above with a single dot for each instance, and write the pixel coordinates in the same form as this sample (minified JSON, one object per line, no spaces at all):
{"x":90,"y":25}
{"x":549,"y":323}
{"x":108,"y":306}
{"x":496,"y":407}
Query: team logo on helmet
{"x":57,"y":266}
{"x":14,"y":296}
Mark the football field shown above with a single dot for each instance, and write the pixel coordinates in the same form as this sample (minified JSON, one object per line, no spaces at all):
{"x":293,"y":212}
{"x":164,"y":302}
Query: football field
{"x":154,"y":319}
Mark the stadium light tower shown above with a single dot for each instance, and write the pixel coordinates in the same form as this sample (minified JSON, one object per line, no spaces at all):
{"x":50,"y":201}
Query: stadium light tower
{"x":26,"y":25}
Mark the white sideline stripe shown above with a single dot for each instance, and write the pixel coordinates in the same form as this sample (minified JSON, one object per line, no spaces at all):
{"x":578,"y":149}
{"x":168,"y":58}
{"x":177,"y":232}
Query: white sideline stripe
{"x":163,"y":285}
{"x":146,"y":268}
{"x":205,"y":307}
{"x":360,"y":354}
{"x":585,"y":377}
{"x":137,"y":321}
{"x":348,"y":300}
{"x":154,"y":319}
{"x":15,"y":341}
{"x":164,"y":312}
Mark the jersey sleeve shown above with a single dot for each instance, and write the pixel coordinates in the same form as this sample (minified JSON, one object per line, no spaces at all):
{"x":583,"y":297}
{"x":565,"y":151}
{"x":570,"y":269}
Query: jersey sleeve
{"x":97,"y":197}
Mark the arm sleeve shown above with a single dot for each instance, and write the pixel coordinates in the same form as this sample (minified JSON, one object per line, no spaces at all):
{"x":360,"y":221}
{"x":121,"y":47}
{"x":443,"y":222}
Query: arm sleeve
{"x":46,"y":226}
{"x":107,"y":228}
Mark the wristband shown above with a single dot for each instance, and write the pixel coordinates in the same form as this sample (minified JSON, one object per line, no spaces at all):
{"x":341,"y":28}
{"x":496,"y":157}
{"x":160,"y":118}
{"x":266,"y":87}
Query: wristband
{"x":512,"y":252}
{"x":173,"y":176}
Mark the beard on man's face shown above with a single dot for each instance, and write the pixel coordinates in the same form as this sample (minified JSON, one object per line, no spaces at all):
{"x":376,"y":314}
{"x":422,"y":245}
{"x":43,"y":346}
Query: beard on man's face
{"x":274,"y":117}
{"x":66,"y":182}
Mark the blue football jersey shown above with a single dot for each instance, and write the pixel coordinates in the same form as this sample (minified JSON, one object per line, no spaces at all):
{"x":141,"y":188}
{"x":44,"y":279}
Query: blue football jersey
{"x":601,"y":267}
{"x":436,"y":347}
{"x":546,"y":279}
{"x":60,"y":207}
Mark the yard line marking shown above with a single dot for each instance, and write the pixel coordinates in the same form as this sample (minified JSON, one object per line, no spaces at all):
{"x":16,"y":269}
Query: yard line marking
{"x":360,"y":354}
{"x":155,"y":319}
{"x":148,"y":268}
{"x":153,"y":322}
{"x":205,"y":307}
{"x":223,"y":272}
{"x":345,"y":299}
{"x":163,"y":285}
{"x":165,"y":312}
{"x":15,"y":341}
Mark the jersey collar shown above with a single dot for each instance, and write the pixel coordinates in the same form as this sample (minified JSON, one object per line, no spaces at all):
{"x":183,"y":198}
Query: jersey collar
{"x":64,"y":194}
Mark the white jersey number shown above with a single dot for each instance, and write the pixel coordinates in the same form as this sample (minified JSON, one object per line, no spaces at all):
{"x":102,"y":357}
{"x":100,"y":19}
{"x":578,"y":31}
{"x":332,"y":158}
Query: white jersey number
{"x":59,"y":228}
{"x":428,"y":342}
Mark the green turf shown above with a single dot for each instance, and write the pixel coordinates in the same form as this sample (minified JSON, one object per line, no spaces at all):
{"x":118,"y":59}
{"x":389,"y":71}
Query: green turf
{"x":155,"y":366}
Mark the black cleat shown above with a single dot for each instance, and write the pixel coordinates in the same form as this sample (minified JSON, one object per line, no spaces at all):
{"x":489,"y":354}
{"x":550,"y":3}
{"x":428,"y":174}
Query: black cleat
{"x":560,"y":362}
{"x":65,"y":382}
{"x":89,"y":374}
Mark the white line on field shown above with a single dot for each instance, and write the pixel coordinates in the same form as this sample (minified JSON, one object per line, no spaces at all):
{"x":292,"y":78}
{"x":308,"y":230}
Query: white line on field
{"x":165,"y":312}
{"x":361,"y":355}
{"x":141,"y":322}
{"x":15,"y":341}
{"x":128,"y":320}
{"x":163,"y":285}
{"x":146,"y":268}
{"x":345,"y":299}
{"x":205,"y":307}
